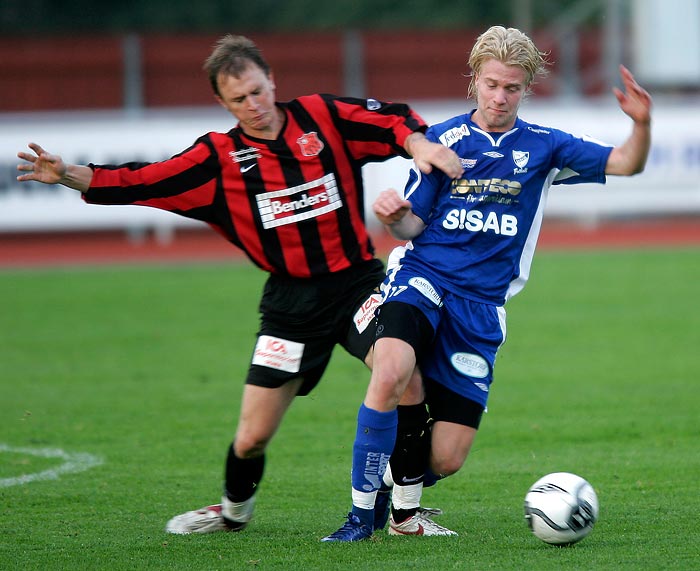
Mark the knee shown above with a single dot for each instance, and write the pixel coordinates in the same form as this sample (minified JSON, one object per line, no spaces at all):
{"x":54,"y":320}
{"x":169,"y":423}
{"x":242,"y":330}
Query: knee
{"x":385,"y":391}
{"x":249,"y":446}
{"x":387,"y":387}
{"x":446,"y":466}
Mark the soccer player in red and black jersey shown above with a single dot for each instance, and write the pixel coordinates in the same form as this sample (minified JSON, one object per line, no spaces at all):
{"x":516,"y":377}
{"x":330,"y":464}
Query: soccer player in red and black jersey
{"x":285,"y":186}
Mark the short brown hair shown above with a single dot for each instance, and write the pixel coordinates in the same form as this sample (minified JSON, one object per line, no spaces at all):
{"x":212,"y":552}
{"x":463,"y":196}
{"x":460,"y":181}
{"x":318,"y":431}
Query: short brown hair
{"x":231,"y":56}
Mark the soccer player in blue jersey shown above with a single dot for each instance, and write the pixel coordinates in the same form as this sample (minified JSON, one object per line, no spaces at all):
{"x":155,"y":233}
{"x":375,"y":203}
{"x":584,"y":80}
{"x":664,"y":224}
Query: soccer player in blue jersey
{"x":472,"y":240}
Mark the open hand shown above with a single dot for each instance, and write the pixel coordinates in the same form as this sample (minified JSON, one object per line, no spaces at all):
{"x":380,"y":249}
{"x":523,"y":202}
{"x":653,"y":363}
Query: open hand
{"x":634,"y":100}
{"x":41,"y":166}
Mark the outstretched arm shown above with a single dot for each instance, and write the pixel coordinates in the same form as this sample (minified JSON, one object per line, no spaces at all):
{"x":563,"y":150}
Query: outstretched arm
{"x":631,"y":157}
{"x":50,"y":169}
{"x":396,"y":214}
{"x":427,"y":155}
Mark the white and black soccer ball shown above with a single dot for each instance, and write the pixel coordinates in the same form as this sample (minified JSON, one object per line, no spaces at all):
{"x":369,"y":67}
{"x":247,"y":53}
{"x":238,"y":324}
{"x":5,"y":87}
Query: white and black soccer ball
{"x":561,"y":508}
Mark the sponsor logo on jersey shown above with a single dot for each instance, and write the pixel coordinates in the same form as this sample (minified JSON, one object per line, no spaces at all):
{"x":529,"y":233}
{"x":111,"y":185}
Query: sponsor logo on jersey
{"x":292,"y":205}
{"x":463,"y":186}
{"x":478,"y":221}
{"x":471,"y":365}
{"x":310,"y":144}
{"x":451,"y":136}
{"x":276,"y":353}
{"x":468,"y":163}
{"x":520,"y":158}
{"x":538,"y":131}
{"x":426,"y":289}
{"x":365,"y":315}
{"x":494,"y":154}
{"x":249,"y":154}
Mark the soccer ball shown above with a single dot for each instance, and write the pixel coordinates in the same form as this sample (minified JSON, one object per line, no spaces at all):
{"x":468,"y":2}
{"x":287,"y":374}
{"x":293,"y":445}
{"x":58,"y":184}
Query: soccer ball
{"x":561,"y":508}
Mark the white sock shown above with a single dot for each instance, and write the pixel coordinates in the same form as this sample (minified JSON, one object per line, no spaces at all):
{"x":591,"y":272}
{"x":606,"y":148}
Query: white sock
{"x":240,"y":512}
{"x":407,"y":497}
{"x":388,"y":479}
{"x":363,"y":500}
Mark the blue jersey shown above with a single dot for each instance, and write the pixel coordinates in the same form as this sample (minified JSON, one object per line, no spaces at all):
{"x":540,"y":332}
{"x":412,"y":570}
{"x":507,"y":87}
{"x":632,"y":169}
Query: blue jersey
{"x":481,"y":229}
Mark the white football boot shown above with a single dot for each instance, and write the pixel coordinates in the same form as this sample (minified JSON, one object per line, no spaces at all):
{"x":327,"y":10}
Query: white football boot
{"x":211,"y":518}
{"x":419,"y":524}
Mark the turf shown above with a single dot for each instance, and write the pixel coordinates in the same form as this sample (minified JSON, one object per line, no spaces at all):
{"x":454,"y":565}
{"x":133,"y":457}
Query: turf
{"x":141,"y":369}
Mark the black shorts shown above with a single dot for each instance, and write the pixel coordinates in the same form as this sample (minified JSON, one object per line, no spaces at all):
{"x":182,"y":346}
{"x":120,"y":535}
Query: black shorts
{"x":449,"y":406}
{"x":403,"y":321}
{"x":302,"y":320}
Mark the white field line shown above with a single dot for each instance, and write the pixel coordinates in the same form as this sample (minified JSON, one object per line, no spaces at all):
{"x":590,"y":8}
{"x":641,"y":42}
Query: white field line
{"x":73,"y":462}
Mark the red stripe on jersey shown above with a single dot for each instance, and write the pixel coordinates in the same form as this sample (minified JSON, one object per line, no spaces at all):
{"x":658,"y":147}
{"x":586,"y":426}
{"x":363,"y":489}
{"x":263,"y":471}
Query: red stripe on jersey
{"x":242,"y":217}
{"x":399,"y":130}
{"x":199,"y":196}
{"x":312,"y":169}
{"x":151,"y":173}
{"x":351,"y":177}
{"x":280,"y":221}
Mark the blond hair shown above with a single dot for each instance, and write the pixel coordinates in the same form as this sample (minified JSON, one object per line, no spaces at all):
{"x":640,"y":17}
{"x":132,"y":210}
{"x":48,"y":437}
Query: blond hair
{"x":511,"y":47}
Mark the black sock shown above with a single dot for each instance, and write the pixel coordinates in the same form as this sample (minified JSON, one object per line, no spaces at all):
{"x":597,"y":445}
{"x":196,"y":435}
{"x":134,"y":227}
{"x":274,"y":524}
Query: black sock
{"x":410,"y":457}
{"x":409,"y":460}
{"x":402,"y":515}
{"x":242,"y":476}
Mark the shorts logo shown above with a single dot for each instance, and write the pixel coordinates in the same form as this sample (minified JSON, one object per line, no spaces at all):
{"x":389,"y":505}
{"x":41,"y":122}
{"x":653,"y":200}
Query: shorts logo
{"x":470,"y":365}
{"x":276,"y":353}
{"x":292,"y":205}
{"x":426,"y":289}
{"x":310,"y":144}
{"x":365,"y":315}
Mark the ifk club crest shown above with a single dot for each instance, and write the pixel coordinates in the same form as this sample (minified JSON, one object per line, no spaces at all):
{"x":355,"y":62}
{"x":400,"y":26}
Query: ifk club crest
{"x":310,"y":144}
{"x":520,"y":158}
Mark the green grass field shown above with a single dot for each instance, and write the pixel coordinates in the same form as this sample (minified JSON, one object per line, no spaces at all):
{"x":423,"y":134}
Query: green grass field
{"x":138,"y":371}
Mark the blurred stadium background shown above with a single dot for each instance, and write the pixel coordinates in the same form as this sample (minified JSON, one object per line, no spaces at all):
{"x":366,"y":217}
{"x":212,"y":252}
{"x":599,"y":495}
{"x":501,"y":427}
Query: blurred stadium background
{"x":124,"y":82}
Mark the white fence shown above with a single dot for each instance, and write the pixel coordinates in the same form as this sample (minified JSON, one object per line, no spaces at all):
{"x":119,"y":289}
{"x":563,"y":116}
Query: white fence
{"x":670,"y":184}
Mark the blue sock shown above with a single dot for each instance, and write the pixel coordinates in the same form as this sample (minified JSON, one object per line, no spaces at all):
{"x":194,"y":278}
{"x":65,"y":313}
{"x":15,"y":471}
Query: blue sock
{"x":374,"y":443}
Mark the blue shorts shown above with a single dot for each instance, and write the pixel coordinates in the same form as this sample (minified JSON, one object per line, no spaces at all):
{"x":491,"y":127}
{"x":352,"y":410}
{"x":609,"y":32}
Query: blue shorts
{"x":466,"y":334}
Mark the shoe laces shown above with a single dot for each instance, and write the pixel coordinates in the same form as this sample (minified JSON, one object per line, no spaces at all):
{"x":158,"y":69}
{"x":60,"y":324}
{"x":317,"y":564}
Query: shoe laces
{"x":428,"y":524}
{"x":352,"y":524}
{"x":428,"y":512}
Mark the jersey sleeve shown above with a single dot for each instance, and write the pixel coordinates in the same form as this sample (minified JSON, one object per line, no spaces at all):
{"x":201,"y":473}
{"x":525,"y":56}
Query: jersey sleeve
{"x":580,"y":159}
{"x":374,"y":130}
{"x":421,"y":189}
{"x":184,"y":183}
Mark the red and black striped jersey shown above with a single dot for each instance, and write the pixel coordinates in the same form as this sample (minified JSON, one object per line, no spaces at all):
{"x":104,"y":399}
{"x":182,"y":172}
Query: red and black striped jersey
{"x":295,"y":204}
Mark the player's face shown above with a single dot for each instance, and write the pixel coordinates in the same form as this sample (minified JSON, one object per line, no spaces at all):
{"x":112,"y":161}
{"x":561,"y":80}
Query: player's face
{"x":251,"y":99}
{"x":499,"y":91}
